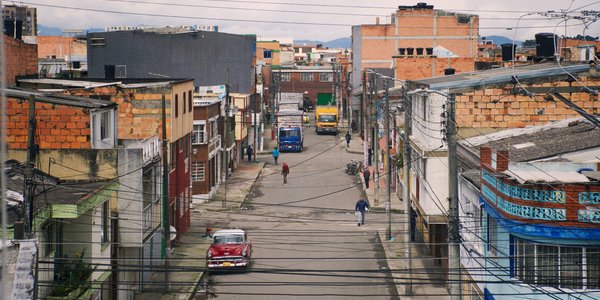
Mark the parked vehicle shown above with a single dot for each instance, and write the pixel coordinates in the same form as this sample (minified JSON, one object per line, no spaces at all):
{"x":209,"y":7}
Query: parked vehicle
{"x":230,"y":249}
{"x":326,"y":118}
{"x":308,"y":105}
{"x":353,"y":167}
{"x":291,"y":101}
{"x":290,"y":130}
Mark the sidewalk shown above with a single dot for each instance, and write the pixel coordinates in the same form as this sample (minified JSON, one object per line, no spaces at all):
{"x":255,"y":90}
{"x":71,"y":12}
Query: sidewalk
{"x":395,"y":249}
{"x":189,"y":253}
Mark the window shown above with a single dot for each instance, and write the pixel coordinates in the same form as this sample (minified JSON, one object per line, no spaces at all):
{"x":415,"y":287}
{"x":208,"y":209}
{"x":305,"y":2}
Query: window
{"x":327,"y":118}
{"x":105,"y":214}
{"x":176,"y":105}
{"x":556,"y":266}
{"x":184,"y":102}
{"x":214,"y":129}
{"x":198,"y":171}
{"x":50,"y":241}
{"x":173,"y":155}
{"x":306,"y":77}
{"x":198,"y":134}
{"x":104,"y":125}
{"x":286,"y":77}
{"x":190,"y":100}
{"x":325,"y":77}
{"x":267,"y":53}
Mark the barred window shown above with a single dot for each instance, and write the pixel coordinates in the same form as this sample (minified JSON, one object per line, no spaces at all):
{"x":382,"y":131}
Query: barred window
{"x":306,"y":77}
{"x":286,"y":77}
{"x":326,"y":77}
{"x":198,"y":134}
{"x":198,"y":169}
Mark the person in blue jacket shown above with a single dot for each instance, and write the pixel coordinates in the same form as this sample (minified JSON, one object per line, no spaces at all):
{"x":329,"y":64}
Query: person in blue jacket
{"x":361,"y":207}
{"x":275,"y":154}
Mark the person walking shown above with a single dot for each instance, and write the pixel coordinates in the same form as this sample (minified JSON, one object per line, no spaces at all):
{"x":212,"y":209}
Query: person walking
{"x":249,"y":152}
{"x":348,"y":138}
{"x":370,"y":154}
{"x":361,"y":208}
{"x":285,"y":170}
{"x":367,"y":176}
{"x":275,"y":154}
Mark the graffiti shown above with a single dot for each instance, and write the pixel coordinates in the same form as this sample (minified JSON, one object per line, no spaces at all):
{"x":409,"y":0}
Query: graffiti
{"x":544,"y":196}
{"x":589,"y":198}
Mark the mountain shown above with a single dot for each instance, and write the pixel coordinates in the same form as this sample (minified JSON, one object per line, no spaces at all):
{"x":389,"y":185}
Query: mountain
{"x":46,"y":30}
{"x":337,"y":43}
{"x":499,"y":40}
{"x":55,"y":31}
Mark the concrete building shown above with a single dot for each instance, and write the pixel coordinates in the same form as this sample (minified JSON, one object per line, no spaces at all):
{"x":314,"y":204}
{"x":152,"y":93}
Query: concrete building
{"x":488,"y":102}
{"x":530,"y":211}
{"x":210,"y":58}
{"x":26,"y":16}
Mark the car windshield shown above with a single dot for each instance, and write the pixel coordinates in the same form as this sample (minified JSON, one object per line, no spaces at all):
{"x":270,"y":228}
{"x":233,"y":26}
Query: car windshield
{"x":222,"y":239}
{"x":327,"y":118}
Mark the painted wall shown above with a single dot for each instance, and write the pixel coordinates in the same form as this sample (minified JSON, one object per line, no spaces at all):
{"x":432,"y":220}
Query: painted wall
{"x":211,"y":58}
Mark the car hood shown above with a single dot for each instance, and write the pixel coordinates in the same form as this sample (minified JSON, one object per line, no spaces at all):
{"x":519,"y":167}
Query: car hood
{"x":227,"y":249}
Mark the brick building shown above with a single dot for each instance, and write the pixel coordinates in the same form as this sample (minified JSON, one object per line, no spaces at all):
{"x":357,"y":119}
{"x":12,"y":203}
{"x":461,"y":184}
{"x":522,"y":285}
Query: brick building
{"x":61,"y":56}
{"x":21,"y":59}
{"x":309,"y":80}
{"x":206,"y":147}
{"x":420,"y":37}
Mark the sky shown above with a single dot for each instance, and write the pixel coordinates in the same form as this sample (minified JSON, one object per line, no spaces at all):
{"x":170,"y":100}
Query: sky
{"x":308,"y":19}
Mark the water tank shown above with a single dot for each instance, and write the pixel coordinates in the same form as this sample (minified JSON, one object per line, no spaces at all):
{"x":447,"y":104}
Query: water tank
{"x":410,"y":51}
{"x":402,"y":51}
{"x":419,"y":51}
{"x":544,"y":45}
{"x":508,"y":51}
{"x":449,"y":71}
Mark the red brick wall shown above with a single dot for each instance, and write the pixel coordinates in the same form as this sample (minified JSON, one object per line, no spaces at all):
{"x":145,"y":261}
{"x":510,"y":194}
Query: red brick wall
{"x":421,"y":67}
{"x":58,"y":127}
{"x":494,"y":108}
{"x":313,"y":88}
{"x":21,"y":59}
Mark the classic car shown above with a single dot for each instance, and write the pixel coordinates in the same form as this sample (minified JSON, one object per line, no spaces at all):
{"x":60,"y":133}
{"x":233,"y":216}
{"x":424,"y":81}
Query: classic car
{"x":230,"y":249}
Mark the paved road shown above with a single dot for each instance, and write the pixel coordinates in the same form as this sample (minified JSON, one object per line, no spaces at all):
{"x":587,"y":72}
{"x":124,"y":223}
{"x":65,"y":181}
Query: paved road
{"x":306,"y":241}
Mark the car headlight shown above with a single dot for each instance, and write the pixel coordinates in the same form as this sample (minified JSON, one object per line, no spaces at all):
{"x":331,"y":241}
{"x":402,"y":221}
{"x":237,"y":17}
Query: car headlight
{"x":244,"y":252}
{"x":209,"y":254}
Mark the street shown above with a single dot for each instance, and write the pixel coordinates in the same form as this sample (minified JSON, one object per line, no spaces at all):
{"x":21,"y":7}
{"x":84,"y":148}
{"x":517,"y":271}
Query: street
{"x":305,"y":235}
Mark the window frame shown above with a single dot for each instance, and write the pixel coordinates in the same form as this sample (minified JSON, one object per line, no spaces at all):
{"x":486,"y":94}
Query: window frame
{"x":197,"y":175}
{"x":307,"y":77}
{"x":199,"y":136}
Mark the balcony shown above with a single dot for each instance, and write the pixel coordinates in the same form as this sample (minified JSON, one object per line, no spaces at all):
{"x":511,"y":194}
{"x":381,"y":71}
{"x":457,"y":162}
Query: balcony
{"x":214,"y":145}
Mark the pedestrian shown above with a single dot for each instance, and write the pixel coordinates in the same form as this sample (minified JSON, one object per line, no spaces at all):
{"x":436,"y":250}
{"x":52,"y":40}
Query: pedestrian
{"x":348,"y":138}
{"x":370,"y":153}
{"x":285,"y":170}
{"x":361,"y":208}
{"x":353,"y":126}
{"x":275,"y":154}
{"x":367,"y":176}
{"x":249,"y":151}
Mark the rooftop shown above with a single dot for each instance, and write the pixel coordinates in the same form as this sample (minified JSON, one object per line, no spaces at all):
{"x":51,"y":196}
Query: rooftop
{"x":55,"y":98}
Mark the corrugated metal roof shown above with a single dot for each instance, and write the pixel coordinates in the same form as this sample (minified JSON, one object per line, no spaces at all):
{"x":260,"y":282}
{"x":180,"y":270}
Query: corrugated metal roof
{"x":541,"y":176}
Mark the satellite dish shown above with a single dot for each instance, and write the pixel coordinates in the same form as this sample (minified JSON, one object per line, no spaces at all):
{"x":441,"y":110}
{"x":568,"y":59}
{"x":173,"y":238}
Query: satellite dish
{"x":173,"y":233}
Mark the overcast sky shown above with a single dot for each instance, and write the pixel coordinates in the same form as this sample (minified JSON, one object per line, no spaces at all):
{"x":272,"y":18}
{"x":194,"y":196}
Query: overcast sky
{"x":236,"y":16}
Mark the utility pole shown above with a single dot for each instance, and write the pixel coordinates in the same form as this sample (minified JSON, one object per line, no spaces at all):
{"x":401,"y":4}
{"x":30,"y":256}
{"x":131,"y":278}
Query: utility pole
{"x":29,"y":186}
{"x":406,"y":189}
{"x":386,"y":135}
{"x":227,"y":140}
{"x":375,"y":138}
{"x":165,"y":196}
{"x":255,"y":136}
{"x":454,"y":273}
{"x":363,"y":100}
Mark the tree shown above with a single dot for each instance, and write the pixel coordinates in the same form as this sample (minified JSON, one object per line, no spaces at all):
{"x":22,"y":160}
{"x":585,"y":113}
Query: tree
{"x":529,"y":43}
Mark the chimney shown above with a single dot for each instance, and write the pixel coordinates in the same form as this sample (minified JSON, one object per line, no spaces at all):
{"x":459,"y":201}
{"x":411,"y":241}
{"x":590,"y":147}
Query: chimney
{"x":485,"y":156}
{"x":501,"y":160}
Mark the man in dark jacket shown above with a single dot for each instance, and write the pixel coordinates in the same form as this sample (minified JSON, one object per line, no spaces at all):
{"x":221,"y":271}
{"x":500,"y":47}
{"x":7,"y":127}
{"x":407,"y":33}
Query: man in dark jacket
{"x":348,"y":138}
{"x":249,"y":151}
{"x":367,"y":176}
{"x":285,"y":170}
{"x":361,"y":208}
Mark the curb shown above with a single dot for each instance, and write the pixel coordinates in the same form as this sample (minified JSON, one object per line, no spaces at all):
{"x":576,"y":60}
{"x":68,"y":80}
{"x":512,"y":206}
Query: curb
{"x":252,"y":186}
{"x":388,"y":252}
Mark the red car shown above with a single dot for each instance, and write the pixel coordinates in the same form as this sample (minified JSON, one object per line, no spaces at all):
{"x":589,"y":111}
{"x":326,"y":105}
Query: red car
{"x":230,"y":249}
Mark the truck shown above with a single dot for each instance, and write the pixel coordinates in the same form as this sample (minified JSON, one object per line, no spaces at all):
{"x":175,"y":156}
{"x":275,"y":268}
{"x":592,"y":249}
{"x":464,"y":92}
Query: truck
{"x":291,"y":101}
{"x":326,"y":114}
{"x":290,"y":131}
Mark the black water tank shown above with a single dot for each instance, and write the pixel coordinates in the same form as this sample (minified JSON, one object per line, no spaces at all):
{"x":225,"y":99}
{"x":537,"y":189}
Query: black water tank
{"x":449,"y":71}
{"x":429,"y":51}
{"x":402,"y":51}
{"x":508,"y":51}
{"x":109,"y":71}
{"x":410,"y":51}
{"x":544,"y":45}
{"x":419,"y":51}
